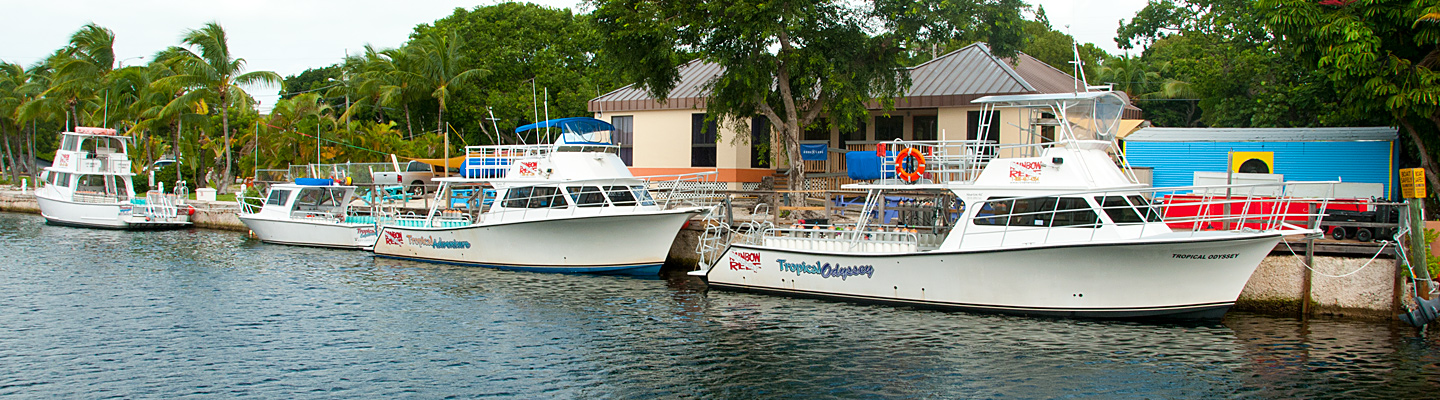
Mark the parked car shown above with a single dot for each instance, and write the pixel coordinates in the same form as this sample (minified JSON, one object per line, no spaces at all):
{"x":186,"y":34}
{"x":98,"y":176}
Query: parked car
{"x":416,"y":177}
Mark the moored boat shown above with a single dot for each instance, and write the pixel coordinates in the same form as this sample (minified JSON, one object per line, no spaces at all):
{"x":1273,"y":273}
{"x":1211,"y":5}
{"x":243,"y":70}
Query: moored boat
{"x":1053,"y":227}
{"x":310,"y":212}
{"x":90,"y":184}
{"x":568,"y":207}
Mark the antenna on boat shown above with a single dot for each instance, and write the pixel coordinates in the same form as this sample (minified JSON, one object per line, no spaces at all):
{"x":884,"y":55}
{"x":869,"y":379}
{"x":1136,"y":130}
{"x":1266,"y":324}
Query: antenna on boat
{"x":547,"y":115}
{"x":493,"y":124}
{"x":534,"y":107}
{"x":1080,"y":81}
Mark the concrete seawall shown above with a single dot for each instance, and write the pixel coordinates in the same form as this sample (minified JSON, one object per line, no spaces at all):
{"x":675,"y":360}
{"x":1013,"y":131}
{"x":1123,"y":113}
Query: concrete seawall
{"x":1338,"y":286}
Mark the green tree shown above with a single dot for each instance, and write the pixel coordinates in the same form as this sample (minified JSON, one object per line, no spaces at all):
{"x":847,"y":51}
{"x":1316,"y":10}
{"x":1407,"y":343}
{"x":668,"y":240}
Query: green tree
{"x":1384,"y":53}
{"x":443,"y":68}
{"x":214,"y":73}
{"x":80,"y":69}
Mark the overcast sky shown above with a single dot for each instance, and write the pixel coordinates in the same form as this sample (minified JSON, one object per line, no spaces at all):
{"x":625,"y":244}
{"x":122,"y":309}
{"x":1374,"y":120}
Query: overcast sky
{"x":289,"y":36}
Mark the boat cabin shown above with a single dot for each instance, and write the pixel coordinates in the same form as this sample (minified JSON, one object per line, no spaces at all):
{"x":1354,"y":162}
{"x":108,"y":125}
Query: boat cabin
{"x":306,"y":199}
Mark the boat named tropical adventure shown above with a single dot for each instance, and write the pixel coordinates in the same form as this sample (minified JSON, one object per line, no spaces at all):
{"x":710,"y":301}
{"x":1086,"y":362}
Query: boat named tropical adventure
{"x":569,"y":207}
{"x":1050,"y":227}
{"x":310,"y":212}
{"x":90,"y":185}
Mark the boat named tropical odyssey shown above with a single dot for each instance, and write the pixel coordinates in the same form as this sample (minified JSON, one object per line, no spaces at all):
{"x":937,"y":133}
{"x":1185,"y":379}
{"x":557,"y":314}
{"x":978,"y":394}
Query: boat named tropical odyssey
{"x":1051,"y":227}
{"x":310,"y":212}
{"x":90,"y":185}
{"x":569,"y":207}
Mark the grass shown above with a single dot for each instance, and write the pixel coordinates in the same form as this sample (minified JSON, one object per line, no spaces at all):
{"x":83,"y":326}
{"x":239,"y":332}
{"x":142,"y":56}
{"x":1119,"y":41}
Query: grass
{"x":218,"y":197}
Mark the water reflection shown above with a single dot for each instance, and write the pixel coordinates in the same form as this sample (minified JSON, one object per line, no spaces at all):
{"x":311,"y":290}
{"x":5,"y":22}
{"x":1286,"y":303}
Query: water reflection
{"x":145,"y":314}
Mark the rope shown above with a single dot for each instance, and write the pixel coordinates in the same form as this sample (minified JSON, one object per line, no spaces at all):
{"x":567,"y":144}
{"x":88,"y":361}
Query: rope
{"x":1362,"y":267}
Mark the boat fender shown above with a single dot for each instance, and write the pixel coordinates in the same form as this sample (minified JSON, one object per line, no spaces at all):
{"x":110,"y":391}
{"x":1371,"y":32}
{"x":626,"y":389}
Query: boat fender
{"x":191,"y":210}
{"x":910,"y":157}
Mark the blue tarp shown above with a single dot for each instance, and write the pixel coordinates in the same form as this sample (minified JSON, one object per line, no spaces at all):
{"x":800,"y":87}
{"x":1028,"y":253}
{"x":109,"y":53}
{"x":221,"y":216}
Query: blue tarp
{"x":814,"y":151}
{"x":314,"y":182}
{"x":867,"y":166}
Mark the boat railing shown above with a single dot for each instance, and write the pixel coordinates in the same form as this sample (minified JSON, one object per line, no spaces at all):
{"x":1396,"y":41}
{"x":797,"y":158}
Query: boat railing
{"x":953,"y":161}
{"x":249,"y":205}
{"x":158,"y":204}
{"x":1287,"y":208}
{"x":685,"y":190}
{"x":818,"y":239}
{"x":509,"y":151}
{"x":98,"y":198}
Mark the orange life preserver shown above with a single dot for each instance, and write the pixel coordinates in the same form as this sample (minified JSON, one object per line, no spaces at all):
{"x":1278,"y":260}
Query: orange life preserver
{"x":909,"y":158}
{"x":250,"y":182}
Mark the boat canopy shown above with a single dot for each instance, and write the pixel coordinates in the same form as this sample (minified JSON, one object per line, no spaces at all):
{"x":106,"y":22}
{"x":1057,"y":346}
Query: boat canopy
{"x":1087,"y":115}
{"x":574,"y":130}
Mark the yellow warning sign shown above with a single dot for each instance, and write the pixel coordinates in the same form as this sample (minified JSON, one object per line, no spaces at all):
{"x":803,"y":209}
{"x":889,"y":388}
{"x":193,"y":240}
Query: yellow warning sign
{"x":1412,"y":183}
{"x":1253,"y":162}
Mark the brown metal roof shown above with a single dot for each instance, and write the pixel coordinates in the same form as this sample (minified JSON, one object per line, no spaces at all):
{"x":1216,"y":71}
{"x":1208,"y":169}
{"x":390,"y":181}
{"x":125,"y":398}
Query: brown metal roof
{"x":953,"y":79}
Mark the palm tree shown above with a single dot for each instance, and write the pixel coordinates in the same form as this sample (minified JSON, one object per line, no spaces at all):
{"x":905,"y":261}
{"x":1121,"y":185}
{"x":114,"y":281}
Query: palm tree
{"x":441,"y":67}
{"x":82,"y":67}
{"x":12,"y":78}
{"x":216,"y":74}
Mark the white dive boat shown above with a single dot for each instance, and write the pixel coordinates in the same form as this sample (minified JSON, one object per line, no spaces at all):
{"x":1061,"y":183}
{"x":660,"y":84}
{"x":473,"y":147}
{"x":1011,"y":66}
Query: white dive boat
{"x":310,"y":212}
{"x":89,"y":185}
{"x":569,"y":207}
{"x":1049,"y":228}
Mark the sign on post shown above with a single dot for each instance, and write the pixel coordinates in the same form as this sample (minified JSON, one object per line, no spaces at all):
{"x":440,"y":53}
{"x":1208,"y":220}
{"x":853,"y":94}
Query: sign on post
{"x":1412,"y":183}
{"x":814,"y":151}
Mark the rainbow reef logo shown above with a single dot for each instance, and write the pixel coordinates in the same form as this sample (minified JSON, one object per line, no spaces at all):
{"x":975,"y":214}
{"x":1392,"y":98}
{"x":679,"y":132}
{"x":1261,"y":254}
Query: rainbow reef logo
{"x":827,"y":270}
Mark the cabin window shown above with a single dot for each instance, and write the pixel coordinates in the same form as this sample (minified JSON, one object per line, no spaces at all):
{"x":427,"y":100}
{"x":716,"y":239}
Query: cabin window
{"x":535,"y":197}
{"x":1152,"y":213}
{"x":1037,"y":212}
{"x":90,"y":183}
{"x":63,"y":180}
{"x":642,"y":195}
{"x":278,"y":197}
{"x":70,"y":143}
{"x":1119,"y":210}
{"x":620,"y":195}
{"x":319,"y":199}
{"x":586,"y":196}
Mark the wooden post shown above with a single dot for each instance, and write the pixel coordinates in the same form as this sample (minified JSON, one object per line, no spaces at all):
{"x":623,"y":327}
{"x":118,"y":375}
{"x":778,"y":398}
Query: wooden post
{"x":1309,"y":278}
{"x":729,"y":211}
{"x":1418,"y":246}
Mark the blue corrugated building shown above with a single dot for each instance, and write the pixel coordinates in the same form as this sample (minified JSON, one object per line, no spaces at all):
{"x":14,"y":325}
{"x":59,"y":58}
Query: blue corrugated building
{"x":1360,"y":154}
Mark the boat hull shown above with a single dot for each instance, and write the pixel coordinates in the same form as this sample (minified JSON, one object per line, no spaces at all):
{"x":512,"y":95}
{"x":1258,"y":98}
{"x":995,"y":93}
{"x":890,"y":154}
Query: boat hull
{"x":628,"y":244}
{"x":102,"y":215}
{"x":1193,"y":279}
{"x":312,"y":233}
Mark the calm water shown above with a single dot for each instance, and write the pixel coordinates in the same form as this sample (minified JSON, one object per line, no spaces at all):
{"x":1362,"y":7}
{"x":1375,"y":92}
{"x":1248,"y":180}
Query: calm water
{"x":90,"y":314}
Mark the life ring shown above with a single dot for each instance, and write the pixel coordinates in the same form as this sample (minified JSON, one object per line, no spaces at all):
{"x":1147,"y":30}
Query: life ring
{"x":250,"y":182}
{"x":908,"y":158}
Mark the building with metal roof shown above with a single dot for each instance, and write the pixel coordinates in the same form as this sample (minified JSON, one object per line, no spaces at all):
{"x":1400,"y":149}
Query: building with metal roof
{"x":1364,"y":158}
{"x":937,"y":106}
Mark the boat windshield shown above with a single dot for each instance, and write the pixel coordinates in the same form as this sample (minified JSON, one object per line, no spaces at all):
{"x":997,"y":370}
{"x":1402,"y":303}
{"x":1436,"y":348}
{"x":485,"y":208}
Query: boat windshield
{"x":1094,"y":119}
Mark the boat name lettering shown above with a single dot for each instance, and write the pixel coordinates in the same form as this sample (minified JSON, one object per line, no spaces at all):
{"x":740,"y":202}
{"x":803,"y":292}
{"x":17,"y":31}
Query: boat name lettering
{"x":1205,"y":256}
{"x":433,"y":243}
{"x":749,"y":261}
{"x":365,"y":232}
{"x":1025,"y":171}
{"x":827,"y":270}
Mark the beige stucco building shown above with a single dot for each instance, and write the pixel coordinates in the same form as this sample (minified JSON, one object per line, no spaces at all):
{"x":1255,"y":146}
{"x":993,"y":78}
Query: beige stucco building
{"x":673,"y":138}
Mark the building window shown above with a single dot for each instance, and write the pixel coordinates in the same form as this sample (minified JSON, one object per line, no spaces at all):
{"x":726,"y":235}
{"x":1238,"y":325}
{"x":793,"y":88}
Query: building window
{"x":1047,"y":129}
{"x":760,"y":142}
{"x":624,"y":136}
{"x":992,"y":134}
{"x":702,"y":141}
{"x":926,"y":128}
{"x":889,"y":128}
{"x":818,"y":130}
{"x":855,"y":134}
